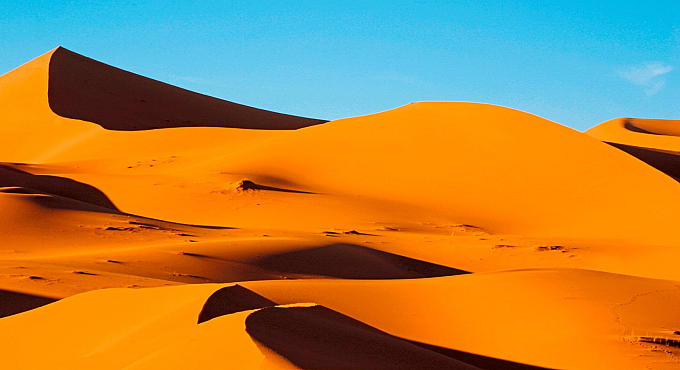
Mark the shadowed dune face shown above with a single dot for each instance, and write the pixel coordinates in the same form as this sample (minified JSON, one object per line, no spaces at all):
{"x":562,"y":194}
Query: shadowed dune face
{"x":12,"y":303}
{"x":319,"y":338}
{"x":667,"y":163}
{"x":631,"y":127}
{"x":84,"y":89}
{"x":349,"y":261}
{"x":653,"y":141}
{"x":231,"y":300}
{"x":665,"y":127}
{"x":482,"y":362}
{"x":15,"y":179}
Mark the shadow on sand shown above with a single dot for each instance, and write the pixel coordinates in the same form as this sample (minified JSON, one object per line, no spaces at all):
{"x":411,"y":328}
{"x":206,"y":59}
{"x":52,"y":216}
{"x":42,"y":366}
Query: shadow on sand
{"x":667,"y":163}
{"x":316,"y":337}
{"x":12,"y":303}
{"x":349,"y":261}
{"x":10,"y":176}
{"x":85,"y":89}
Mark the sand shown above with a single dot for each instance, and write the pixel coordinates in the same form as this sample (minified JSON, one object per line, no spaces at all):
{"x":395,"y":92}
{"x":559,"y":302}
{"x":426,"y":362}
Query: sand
{"x":145,"y":226}
{"x":653,"y":141}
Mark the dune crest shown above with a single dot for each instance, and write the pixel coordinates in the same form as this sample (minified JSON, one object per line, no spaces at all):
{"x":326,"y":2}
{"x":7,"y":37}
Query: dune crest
{"x":485,"y":165}
{"x":82,"y":88}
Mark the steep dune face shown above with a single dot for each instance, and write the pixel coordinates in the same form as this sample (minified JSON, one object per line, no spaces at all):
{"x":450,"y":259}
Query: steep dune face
{"x":315,"y":337}
{"x":653,"y":141}
{"x":77,"y":85}
{"x":64,"y":102}
{"x":14,"y":302}
{"x":485,"y":165}
{"x":13,"y":177}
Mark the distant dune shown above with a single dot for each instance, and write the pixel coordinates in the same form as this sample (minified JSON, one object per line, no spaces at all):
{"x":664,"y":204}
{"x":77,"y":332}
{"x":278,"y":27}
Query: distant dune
{"x":144,"y":226}
{"x":653,"y":141}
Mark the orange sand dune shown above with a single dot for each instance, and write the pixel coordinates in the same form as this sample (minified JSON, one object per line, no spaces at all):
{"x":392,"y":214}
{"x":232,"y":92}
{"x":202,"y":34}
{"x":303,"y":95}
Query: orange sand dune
{"x":480,"y":164}
{"x":435,"y":235}
{"x":567,"y":319}
{"x":133,"y":102}
{"x":655,"y":142}
{"x":490,"y":157}
{"x":82,"y":89}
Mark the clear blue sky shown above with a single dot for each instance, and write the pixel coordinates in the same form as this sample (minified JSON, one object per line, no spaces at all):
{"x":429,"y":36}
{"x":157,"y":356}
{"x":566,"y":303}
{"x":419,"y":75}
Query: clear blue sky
{"x":574,"y":62}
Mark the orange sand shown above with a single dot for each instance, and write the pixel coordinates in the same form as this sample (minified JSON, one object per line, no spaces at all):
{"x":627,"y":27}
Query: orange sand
{"x":653,"y":141}
{"x":433,"y":236}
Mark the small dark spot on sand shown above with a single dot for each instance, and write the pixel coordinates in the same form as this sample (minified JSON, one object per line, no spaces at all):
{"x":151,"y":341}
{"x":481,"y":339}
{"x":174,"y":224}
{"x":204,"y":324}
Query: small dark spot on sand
{"x":354,"y":232}
{"x":112,"y":228}
{"x":189,"y":275}
{"x":190,"y":254}
{"x":543,"y":248}
{"x":661,"y":341}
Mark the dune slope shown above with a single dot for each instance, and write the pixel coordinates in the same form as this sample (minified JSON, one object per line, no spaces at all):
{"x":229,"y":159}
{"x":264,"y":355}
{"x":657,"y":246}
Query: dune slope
{"x":491,"y":320}
{"x":484,"y":165}
{"x":653,"y":141}
{"x":133,"y":102}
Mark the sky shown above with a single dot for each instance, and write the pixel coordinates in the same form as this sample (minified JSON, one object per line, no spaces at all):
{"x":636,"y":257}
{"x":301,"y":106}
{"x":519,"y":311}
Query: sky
{"x":577,"y":63}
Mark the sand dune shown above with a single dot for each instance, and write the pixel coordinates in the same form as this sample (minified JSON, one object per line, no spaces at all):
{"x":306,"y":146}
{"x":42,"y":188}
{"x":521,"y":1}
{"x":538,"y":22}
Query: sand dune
{"x":13,"y":177}
{"x":435,"y":235}
{"x":15,"y":302}
{"x":654,"y":142}
{"x":484,"y":165}
{"x":486,"y":319}
{"x":536,"y":317}
{"x":133,"y":102}
{"x":318,"y":338}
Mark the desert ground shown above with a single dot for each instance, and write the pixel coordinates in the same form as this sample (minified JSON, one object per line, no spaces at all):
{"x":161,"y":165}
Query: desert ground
{"x":144,"y":226}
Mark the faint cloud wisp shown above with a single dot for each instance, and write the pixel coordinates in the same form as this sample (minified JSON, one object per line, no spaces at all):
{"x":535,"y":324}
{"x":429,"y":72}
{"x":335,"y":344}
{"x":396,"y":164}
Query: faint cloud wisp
{"x":649,"y":76}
